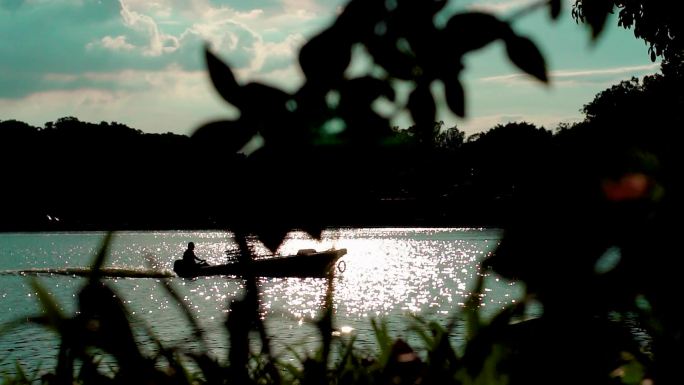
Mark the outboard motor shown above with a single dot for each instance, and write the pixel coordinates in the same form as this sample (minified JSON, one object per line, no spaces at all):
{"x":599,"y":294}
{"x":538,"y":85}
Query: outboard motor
{"x":179,"y":267}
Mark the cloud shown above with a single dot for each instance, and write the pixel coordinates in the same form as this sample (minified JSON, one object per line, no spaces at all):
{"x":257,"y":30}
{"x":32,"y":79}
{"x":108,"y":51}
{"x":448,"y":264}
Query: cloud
{"x":156,"y":42}
{"x":643,"y":69}
{"x":502,"y":7}
{"x":154,"y":101}
{"x":481,"y":123}
{"x":118,"y":43}
{"x":278,"y":55}
{"x":232,"y":39}
{"x":129,"y":80}
{"x":499,"y":6}
{"x":577,"y":77}
{"x":76,"y":36}
{"x":253,"y":40}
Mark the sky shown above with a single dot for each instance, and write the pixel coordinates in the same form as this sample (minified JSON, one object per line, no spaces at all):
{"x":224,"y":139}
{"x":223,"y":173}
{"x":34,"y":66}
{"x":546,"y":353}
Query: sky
{"x":140,"y":62}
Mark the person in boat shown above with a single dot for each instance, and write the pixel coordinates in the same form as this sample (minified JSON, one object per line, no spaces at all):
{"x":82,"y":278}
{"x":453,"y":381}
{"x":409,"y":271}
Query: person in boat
{"x":190,"y":259}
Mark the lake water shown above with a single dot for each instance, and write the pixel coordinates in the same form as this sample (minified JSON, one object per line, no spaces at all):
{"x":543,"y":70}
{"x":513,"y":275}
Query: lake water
{"x":390,"y":273}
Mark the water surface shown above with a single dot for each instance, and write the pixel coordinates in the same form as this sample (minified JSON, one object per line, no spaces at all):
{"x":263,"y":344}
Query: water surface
{"x":390,"y":273}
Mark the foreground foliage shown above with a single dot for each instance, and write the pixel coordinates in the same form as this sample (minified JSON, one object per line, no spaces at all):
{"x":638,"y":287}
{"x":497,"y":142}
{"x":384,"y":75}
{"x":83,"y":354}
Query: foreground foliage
{"x":600,"y":213}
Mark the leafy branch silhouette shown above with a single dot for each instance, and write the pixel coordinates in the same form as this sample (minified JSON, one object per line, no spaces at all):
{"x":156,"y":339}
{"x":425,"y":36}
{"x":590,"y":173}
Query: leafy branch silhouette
{"x":405,"y":44}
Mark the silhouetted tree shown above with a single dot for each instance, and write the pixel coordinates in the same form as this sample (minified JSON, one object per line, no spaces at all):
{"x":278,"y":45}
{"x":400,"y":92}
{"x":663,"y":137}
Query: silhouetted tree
{"x":450,"y":139}
{"x":656,"y":22}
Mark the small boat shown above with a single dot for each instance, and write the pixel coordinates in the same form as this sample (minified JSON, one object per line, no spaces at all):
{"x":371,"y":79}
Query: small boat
{"x":306,"y":263}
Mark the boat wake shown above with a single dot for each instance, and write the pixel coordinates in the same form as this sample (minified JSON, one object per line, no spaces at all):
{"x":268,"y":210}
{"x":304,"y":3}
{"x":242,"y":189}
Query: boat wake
{"x":110,"y":272}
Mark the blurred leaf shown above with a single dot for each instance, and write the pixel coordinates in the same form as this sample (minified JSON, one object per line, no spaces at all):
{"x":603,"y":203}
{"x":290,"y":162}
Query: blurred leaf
{"x":50,"y":306}
{"x":212,"y":371}
{"x":404,"y":366}
{"x":315,"y":230}
{"x":525,"y":54}
{"x":89,"y":373}
{"x":239,"y":325}
{"x":366,"y":89}
{"x":106,"y":321}
{"x":595,"y":13}
{"x":231,"y":136}
{"x":299,"y":357}
{"x":473,"y":30}
{"x":397,"y":64}
{"x":20,"y":376}
{"x":197,"y":330}
{"x":419,"y":9}
{"x":488,"y":371}
{"x":258,"y":98}
{"x":222,"y":77}
{"x":455,"y":96}
{"x":96,"y":266}
{"x":422,"y":106}
{"x":471,"y":309}
{"x":325,"y":58}
{"x":272,"y":112}
{"x":383,"y":339}
{"x":359,"y":19}
{"x":633,"y":372}
{"x":272,"y":236}
{"x":363,"y":124}
{"x":503,"y":318}
{"x":555,"y":7}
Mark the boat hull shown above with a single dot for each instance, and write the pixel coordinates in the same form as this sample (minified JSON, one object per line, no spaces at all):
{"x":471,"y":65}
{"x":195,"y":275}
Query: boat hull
{"x":303,"y":264}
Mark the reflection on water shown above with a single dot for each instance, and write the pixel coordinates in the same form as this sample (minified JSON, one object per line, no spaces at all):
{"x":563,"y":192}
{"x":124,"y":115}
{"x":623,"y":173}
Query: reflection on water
{"x":389,"y":273}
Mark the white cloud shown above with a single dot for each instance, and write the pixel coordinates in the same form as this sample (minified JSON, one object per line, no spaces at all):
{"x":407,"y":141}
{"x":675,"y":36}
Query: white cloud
{"x":65,"y":101}
{"x":170,"y":100}
{"x":503,"y":6}
{"x":576,"y":77}
{"x":271,"y":56}
{"x":648,"y":68}
{"x":159,"y":8}
{"x":304,"y":9}
{"x":254,"y":42}
{"x":481,"y":123}
{"x":118,"y":43}
{"x":147,"y":28}
{"x":159,"y":43}
{"x":166,"y":80}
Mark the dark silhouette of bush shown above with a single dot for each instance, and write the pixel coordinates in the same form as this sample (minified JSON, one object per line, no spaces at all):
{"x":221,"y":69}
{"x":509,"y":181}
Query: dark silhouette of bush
{"x":598,"y":221}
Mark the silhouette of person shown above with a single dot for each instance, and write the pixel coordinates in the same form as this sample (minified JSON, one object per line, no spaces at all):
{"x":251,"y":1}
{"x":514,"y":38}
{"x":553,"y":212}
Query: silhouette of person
{"x":189,"y":257}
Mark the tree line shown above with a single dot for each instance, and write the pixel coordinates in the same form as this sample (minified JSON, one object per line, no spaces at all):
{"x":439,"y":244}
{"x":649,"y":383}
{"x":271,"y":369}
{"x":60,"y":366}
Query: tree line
{"x":71,"y":174}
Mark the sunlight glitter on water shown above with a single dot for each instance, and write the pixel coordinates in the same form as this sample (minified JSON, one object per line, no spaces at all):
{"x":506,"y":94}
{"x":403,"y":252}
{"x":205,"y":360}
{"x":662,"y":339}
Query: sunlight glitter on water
{"x":389,"y":273}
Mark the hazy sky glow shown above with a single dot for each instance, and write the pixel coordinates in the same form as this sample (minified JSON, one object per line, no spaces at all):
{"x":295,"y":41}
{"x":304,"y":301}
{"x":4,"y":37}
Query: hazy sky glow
{"x":140,"y":62}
